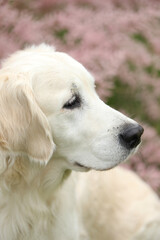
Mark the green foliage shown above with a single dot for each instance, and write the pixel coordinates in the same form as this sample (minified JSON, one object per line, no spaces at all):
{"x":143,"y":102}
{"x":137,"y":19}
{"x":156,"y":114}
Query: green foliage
{"x":142,"y":39}
{"x":131,"y":65}
{"x":152,"y":71}
{"x":124,"y":95}
{"x":61,"y":34}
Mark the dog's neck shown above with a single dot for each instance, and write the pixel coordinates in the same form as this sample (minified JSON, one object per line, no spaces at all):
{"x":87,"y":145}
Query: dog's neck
{"x":53,"y":175}
{"x":29,"y":175}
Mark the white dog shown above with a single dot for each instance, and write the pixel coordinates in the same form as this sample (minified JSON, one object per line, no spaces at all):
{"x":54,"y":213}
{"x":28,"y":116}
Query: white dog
{"x":53,"y":122}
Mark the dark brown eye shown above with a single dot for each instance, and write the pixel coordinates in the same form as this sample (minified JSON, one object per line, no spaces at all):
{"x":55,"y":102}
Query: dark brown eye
{"x":74,"y":102}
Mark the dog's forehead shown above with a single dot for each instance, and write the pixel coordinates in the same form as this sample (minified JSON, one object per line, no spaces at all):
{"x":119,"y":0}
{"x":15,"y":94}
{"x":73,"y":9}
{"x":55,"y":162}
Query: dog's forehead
{"x":72,"y":69}
{"x":61,"y":71}
{"x":56,"y":69}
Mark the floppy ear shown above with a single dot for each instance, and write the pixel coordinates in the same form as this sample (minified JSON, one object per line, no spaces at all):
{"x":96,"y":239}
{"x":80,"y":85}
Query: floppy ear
{"x":24,"y":128}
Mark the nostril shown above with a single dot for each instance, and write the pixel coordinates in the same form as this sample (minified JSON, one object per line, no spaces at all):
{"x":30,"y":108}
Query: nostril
{"x":131,"y":136}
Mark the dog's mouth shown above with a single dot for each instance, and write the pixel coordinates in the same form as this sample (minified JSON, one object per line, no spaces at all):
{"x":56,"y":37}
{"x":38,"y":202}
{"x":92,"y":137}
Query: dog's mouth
{"x":85,"y":168}
{"x":76,"y":164}
{"x":80,"y":165}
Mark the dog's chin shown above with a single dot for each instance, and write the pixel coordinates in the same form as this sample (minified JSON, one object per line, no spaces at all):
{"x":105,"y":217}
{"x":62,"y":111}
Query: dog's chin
{"x":84,"y":168}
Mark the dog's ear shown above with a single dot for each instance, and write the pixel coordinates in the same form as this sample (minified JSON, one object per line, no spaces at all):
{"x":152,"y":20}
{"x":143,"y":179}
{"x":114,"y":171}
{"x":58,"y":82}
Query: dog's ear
{"x":24,"y":128}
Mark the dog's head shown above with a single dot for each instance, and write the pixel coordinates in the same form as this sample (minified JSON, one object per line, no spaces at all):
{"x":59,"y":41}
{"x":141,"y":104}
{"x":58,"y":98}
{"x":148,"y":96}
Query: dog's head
{"x":48,"y":99}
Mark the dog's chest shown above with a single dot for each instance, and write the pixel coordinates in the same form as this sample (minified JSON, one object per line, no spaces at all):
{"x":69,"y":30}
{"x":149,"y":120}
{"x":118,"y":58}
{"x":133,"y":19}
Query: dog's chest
{"x":28,"y":216}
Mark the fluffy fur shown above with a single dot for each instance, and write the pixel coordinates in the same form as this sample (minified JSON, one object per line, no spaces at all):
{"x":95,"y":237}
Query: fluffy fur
{"x":41,"y":142}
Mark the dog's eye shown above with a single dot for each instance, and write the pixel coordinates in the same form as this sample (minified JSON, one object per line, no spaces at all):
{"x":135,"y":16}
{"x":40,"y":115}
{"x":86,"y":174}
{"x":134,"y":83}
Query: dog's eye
{"x":74,"y":102}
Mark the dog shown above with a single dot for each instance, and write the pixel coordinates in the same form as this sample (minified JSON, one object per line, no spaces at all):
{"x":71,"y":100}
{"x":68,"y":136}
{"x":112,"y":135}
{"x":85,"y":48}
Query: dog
{"x":54,"y":133}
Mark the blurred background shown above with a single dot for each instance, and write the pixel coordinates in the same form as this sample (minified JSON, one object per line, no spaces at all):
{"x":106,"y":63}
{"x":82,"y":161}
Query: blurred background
{"x":117,"y":40}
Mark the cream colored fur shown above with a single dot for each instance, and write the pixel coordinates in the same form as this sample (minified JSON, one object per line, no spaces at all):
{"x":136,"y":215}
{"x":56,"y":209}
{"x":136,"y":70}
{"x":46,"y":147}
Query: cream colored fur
{"x":41,"y":143}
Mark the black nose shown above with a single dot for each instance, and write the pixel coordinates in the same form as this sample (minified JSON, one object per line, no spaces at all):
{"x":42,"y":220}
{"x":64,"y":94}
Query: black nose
{"x":131,"y":136}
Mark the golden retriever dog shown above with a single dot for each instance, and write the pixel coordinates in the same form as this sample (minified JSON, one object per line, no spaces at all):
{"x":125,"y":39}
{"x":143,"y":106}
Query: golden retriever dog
{"x":53,"y":127}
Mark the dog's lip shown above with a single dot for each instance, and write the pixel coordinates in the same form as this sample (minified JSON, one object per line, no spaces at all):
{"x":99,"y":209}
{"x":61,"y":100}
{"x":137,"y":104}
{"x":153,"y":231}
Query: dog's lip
{"x":80,"y":165}
{"x":88,"y":168}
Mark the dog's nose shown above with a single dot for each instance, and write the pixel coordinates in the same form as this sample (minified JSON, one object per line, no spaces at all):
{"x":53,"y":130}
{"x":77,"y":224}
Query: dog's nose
{"x":131,"y":136}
